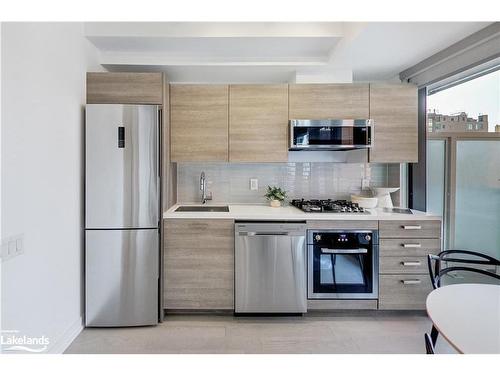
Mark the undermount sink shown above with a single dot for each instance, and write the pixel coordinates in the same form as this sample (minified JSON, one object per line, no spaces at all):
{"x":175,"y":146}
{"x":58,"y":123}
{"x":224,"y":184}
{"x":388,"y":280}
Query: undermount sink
{"x":202,"y":209}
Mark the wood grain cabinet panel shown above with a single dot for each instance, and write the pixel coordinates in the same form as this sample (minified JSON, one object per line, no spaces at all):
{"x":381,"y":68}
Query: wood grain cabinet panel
{"x":124,"y":88}
{"x":258,"y":123}
{"x":410,"y":229}
{"x":198,"y":264}
{"x":419,"y":247}
{"x":403,"y":265}
{"x":394,"y":108}
{"x":404,"y":281}
{"x":199,"y":122}
{"x":329,"y":101}
{"x":404,"y":291}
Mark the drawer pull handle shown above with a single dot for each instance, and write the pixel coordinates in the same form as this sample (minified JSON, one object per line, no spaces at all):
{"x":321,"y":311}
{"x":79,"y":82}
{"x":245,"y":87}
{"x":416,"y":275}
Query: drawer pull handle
{"x":412,"y":245}
{"x":409,"y":227}
{"x":411,"y":282}
{"x":410,"y":264}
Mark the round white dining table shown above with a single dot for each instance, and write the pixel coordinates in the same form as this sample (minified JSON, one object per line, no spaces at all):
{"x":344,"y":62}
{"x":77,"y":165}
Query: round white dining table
{"x":467,"y":316}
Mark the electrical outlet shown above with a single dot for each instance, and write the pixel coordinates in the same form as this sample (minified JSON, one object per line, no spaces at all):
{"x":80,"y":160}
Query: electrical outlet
{"x":254,"y":184}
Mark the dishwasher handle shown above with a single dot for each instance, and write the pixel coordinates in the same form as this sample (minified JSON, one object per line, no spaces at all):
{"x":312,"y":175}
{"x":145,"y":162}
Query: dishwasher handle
{"x":251,"y":234}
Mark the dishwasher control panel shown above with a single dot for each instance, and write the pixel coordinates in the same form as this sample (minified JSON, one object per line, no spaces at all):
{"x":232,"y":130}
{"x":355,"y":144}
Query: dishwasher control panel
{"x":271,"y":228}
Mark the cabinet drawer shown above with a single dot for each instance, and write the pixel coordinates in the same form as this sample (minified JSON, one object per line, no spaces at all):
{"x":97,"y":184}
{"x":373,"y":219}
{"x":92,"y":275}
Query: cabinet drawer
{"x":406,"y":265}
{"x":410,"y":229}
{"x":409,"y":247}
{"x":403,"y":291}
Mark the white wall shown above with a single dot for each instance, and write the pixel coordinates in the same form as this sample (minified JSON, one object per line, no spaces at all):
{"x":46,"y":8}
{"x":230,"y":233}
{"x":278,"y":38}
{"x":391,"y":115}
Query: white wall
{"x":43,"y":96}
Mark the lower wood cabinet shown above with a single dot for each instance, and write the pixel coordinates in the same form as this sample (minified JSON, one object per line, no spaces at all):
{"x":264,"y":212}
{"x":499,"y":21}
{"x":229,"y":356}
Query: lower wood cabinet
{"x":403,"y":291}
{"x":410,"y":229}
{"x":198,"y":264}
{"x":404,"y":280}
{"x":403,"y":264}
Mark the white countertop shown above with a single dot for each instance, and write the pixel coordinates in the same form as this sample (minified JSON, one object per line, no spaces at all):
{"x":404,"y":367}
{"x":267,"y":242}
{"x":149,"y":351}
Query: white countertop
{"x":265,"y":212}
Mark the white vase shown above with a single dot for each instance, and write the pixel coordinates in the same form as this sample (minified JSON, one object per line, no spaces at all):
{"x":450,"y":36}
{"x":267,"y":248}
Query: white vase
{"x":275,"y":203}
{"x":384,"y":196}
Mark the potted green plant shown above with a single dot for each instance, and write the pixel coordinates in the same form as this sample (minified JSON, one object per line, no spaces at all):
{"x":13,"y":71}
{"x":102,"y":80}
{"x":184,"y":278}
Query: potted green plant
{"x":275,"y":195}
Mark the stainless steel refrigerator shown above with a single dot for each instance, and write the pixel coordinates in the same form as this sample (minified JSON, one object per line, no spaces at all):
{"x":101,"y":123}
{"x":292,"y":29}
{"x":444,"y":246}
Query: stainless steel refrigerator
{"x":122,"y":205}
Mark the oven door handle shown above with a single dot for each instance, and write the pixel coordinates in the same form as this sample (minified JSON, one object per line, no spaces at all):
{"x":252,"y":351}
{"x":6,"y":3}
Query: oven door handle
{"x":343,"y":251}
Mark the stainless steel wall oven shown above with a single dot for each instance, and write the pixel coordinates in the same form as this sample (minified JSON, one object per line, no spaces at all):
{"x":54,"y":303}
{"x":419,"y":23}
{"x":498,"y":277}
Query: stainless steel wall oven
{"x":342,"y":264}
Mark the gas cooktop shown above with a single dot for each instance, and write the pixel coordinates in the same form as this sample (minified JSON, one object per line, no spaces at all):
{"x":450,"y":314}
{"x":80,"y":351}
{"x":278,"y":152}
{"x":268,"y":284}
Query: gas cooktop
{"x":328,"y":206}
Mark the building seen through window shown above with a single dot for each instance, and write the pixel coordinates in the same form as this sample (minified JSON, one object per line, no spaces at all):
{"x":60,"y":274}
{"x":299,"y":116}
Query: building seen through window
{"x":471,"y":106}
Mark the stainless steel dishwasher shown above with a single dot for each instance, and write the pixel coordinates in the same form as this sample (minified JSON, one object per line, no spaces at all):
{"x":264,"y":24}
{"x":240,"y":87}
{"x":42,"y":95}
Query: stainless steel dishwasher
{"x":270,"y":268}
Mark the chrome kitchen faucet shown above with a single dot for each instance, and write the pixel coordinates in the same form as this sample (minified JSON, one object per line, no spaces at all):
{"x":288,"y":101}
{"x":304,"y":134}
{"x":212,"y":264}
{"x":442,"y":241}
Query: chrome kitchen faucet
{"x":203,"y":188}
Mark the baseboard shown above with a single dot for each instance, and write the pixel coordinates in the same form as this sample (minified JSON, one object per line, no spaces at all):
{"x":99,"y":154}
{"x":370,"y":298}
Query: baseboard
{"x":65,"y":340}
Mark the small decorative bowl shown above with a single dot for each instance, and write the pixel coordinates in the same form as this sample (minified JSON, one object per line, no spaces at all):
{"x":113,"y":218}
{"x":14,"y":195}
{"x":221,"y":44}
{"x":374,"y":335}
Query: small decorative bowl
{"x":365,"y":202}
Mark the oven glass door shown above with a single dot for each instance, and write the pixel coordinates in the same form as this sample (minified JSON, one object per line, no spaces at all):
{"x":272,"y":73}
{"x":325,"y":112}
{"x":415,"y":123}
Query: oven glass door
{"x":329,"y":136}
{"x":339,"y":270}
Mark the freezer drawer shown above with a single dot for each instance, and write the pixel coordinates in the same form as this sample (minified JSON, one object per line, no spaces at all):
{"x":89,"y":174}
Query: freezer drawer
{"x":270,"y":268}
{"x":121,"y":166}
{"x":121,"y":277}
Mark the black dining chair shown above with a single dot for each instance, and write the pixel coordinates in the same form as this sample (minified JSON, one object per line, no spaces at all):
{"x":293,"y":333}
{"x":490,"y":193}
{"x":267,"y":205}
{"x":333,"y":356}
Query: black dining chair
{"x":429,"y":346}
{"x":436,"y":271}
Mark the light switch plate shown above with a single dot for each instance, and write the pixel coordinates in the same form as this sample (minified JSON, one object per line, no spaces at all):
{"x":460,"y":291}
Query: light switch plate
{"x":254,"y":184}
{"x":12,"y":246}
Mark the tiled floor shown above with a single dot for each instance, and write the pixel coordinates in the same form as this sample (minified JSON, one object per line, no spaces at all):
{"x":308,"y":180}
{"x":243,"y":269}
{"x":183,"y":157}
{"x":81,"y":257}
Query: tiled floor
{"x":342,"y":332}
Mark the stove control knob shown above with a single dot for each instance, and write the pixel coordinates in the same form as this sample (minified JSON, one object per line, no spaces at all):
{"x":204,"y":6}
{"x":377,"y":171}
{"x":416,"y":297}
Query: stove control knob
{"x":317,"y":237}
{"x":368,"y":237}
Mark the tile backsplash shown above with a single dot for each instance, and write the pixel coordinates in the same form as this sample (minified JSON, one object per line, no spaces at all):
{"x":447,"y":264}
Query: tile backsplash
{"x":230,"y":182}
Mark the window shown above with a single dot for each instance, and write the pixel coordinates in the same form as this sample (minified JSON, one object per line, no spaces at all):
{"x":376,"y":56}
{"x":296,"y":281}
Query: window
{"x":473,"y":105}
{"x":463,"y":179}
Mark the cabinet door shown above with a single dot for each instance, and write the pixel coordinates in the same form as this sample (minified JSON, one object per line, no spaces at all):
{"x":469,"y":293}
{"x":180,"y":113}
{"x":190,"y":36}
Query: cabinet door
{"x":335,"y":101}
{"x":394,"y":107}
{"x":258,"y":122}
{"x":403,"y":291}
{"x":124,"y":88}
{"x":198,"y":264}
{"x":199,"y":123}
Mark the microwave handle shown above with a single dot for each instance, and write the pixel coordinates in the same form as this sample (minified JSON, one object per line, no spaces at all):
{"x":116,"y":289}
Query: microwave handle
{"x":343,"y":251}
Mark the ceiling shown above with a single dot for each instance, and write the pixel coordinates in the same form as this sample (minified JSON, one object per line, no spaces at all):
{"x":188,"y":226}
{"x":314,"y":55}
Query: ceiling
{"x":271,"y":51}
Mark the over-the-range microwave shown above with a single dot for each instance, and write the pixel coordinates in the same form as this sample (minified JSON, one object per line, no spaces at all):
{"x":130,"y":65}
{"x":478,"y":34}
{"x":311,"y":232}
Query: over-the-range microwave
{"x":324,"y":135}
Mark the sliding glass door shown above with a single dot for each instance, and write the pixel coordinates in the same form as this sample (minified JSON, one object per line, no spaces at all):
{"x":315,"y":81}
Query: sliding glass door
{"x":476,"y":224}
{"x":463,"y":186}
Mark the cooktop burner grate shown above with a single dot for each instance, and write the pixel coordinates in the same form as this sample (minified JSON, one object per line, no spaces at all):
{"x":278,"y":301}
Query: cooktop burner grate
{"x":328,"y":206}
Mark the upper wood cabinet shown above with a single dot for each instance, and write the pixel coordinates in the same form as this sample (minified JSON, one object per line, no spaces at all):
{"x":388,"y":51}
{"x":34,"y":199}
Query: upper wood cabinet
{"x":329,"y":101}
{"x":124,"y":88}
{"x":199,"y":122}
{"x":258,"y":123}
{"x":394,"y":107}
